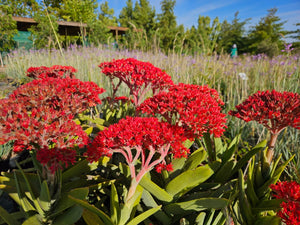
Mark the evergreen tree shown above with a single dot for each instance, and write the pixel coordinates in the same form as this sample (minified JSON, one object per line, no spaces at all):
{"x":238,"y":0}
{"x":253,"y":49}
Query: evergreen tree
{"x":192,"y":40}
{"x":126,"y":14}
{"x":106,"y":15}
{"x":167,"y":24}
{"x":144,"y":17}
{"x":295,"y":35}
{"x":23,"y":8}
{"x":78,"y":11}
{"x":266,"y":36}
{"x":98,"y":30}
{"x":233,"y":33}
{"x":45,"y":33}
{"x":8,"y":29}
{"x":208,"y":33}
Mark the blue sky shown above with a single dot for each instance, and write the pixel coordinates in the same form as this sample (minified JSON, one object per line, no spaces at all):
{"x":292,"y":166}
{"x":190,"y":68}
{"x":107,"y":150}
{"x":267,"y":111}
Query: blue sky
{"x":188,"y":11}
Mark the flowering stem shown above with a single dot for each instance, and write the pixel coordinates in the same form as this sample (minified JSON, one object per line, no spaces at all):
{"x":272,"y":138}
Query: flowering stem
{"x":271,"y":145}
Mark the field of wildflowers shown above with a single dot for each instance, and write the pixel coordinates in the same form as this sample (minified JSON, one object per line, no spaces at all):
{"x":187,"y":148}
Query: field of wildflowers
{"x":118,"y":137}
{"x":234,"y":79}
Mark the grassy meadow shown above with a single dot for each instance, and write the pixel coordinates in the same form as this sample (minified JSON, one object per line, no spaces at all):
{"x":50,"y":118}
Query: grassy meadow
{"x":235,"y":79}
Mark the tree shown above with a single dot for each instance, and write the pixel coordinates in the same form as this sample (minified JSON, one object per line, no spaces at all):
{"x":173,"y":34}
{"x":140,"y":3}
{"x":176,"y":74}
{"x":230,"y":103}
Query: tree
{"x":208,"y":33}
{"x":266,"y":36}
{"x":45,"y":33}
{"x":144,"y":17}
{"x":22,"y":8}
{"x":295,"y":35}
{"x":8,"y":29}
{"x":78,"y":11}
{"x":167,"y":24}
{"x":192,"y":40}
{"x":98,"y":30}
{"x":106,"y":15}
{"x":126,"y":14}
{"x":233,"y":33}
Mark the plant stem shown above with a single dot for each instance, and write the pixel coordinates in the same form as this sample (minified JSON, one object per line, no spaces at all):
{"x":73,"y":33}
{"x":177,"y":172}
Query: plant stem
{"x":271,"y":145}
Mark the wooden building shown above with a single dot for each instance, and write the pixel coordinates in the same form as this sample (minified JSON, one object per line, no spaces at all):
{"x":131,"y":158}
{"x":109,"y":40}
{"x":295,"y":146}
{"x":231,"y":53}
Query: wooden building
{"x":66,"y":28}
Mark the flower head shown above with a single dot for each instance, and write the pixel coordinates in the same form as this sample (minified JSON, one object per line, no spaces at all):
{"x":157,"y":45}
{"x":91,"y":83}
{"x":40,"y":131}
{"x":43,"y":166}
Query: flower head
{"x":39,"y":115}
{"x":274,"y":110}
{"x":286,"y":190}
{"x":195,"y":108}
{"x":139,"y":76}
{"x":290,"y":193}
{"x":53,"y":71}
{"x":146,"y":137}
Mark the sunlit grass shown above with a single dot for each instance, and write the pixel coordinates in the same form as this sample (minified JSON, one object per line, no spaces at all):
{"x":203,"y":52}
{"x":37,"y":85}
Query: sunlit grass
{"x":235,"y":79}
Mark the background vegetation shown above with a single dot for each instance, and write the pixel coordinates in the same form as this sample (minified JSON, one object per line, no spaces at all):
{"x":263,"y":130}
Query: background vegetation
{"x":148,"y":30}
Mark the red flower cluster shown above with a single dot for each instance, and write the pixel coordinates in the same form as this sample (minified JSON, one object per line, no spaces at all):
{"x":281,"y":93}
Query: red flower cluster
{"x":135,"y":138}
{"x":195,"y":108}
{"x":290,"y":193}
{"x":53,"y":71}
{"x":137,"y":75}
{"x":274,"y":110}
{"x":38,"y":116}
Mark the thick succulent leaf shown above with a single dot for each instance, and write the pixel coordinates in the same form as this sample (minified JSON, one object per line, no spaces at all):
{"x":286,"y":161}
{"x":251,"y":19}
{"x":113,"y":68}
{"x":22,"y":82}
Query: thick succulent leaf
{"x":32,"y":220}
{"x":65,"y":202}
{"x":143,"y":216}
{"x":184,"y":208}
{"x":93,"y":209}
{"x":244,"y":160}
{"x":268,"y":220}
{"x":188,"y":180}
{"x":130,"y":205}
{"x":91,"y":218}
{"x":244,"y":205}
{"x":114,"y":205}
{"x":265,"y":187}
{"x":150,"y":203}
{"x":231,"y":149}
{"x":45,"y":199}
{"x":155,"y":190}
{"x":70,"y":216}
{"x":7,"y":218}
{"x":78,"y":169}
{"x":267,"y":205}
{"x":223,"y":175}
{"x":195,"y":159}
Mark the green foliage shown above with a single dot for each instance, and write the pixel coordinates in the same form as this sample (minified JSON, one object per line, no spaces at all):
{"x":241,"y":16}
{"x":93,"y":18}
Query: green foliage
{"x":208,"y":33}
{"x":43,"y":35}
{"x":126,"y":14}
{"x":44,"y":199}
{"x":167,"y":24}
{"x":144,"y":17}
{"x":7,"y":30}
{"x":254,"y":205}
{"x":233,"y":33}
{"x":106,"y":15}
{"x":268,"y":30}
{"x":78,"y":11}
{"x":22,"y":8}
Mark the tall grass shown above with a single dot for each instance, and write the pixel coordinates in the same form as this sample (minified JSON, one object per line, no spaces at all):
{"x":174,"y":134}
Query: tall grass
{"x":235,"y":79}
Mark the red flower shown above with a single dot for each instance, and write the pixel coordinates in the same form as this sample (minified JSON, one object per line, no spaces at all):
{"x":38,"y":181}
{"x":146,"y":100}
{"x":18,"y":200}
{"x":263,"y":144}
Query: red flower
{"x":38,"y":115}
{"x":286,"y":190}
{"x":137,"y":138}
{"x":290,"y":213}
{"x":56,"y":158}
{"x":290,"y":193}
{"x":195,"y":108}
{"x":274,"y":110}
{"x":56,"y":71}
{"x":139,"y":76}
